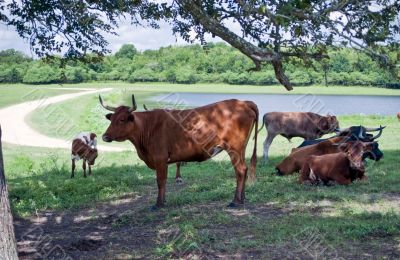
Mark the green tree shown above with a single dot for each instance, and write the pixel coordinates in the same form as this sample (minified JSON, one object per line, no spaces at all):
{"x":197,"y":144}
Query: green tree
{"x":41,"y":74}
{"x":272,"y":32}
{"x":127,"y":51}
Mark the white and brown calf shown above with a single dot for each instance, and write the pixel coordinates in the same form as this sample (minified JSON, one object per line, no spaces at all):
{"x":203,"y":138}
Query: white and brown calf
{"x":81,"y":150}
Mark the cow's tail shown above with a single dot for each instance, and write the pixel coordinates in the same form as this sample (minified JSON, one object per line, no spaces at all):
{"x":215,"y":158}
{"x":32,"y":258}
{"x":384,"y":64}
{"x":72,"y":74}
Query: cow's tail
{"x":253,"y":161}
{"x":262,"y":125}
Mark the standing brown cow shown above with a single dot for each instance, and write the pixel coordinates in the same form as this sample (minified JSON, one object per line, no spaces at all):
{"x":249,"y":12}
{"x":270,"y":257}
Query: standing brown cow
{"x":342,"y":168}
{"x":307,"y":125}
{"x":163,"y":137}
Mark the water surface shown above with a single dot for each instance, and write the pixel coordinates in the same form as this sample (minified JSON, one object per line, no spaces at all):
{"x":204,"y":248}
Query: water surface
{"x":322,"y":104}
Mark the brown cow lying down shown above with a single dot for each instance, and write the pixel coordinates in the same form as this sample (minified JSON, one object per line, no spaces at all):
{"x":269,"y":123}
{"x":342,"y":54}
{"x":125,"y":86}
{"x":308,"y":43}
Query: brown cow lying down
{"x":80,"y":150}
{"x":308,"y":125}
{"x":295,"y":160}
{"x":342,"y":168}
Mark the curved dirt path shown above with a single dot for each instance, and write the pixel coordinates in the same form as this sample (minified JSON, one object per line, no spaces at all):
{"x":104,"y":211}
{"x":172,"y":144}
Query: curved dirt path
{"x":17,"y":131}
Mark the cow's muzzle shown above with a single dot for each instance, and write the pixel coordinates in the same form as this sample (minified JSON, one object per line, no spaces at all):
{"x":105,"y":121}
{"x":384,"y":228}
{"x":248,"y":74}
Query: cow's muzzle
{"x":107,"y":139}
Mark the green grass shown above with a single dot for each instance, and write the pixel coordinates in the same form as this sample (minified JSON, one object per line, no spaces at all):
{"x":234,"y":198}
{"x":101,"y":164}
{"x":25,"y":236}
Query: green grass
{"x":226,"y":88}
{"x":13,"y":94}
{"x":281,"y":213}
{"x":280,"y":209}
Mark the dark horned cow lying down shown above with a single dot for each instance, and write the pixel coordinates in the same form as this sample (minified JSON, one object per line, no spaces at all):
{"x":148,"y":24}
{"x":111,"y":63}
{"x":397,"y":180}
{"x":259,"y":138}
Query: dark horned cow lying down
{"x":296,"y":159}
{"x":354,"y":133}
{"x":307,"y":125}
{"x":341,"y":168}
{"x":163,"y":137}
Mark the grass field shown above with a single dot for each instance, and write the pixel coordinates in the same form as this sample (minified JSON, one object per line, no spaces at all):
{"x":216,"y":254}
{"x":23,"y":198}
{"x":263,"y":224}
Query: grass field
{"x":281,"y":219}
{"x":14,"y":94}
{"x":224,"y":88}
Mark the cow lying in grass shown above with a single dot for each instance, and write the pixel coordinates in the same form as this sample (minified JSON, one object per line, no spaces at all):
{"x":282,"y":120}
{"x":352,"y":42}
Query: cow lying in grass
{"x":296,"y":159}
{"x":84,"y":147}
{"x":341,"y":168}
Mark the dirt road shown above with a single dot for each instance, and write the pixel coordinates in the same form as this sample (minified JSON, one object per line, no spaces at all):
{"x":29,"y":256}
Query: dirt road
{"x":17,"y":131}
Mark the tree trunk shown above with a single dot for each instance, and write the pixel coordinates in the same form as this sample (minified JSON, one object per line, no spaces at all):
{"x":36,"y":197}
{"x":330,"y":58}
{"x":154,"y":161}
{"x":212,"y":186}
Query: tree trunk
{"x":8,"y":247}
{"x":326,"y":77}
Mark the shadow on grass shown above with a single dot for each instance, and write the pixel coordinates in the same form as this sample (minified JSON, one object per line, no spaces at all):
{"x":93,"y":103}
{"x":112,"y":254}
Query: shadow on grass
{"x":124,"y":229}
{"x":107,"y":214}
{"x":204,"y":182}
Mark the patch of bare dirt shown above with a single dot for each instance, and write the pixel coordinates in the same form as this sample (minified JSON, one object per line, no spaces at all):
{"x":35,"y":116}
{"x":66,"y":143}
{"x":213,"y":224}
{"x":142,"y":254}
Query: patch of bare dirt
{"x":125,"y":229}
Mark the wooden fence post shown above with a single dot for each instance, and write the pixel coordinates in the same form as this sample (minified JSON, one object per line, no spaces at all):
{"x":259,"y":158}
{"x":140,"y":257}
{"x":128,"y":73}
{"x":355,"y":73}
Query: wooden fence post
{"x":8,"y":246}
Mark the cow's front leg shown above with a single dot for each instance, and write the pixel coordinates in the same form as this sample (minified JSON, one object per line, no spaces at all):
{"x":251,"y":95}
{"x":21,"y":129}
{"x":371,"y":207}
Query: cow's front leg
{"x":73,"y":169}
{"x":90,"y":169}
{"x":340,"y":179}
{"x":84,"y":168}
{"x":162,"y":173}
{"x":178,"y":177}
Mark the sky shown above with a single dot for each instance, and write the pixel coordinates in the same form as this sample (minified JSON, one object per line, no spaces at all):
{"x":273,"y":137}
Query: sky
{"x":143,"y":38}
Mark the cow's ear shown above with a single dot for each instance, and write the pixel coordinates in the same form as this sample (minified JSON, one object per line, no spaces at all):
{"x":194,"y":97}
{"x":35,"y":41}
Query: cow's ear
{"x":344,"y":147}
{"x":108,"y":116}
{"x":131,"y":118}
{"x":323,"y":124}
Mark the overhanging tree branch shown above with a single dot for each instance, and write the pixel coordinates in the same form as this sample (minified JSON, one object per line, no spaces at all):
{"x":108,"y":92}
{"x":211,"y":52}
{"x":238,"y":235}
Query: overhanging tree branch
{"x":256,"y":54}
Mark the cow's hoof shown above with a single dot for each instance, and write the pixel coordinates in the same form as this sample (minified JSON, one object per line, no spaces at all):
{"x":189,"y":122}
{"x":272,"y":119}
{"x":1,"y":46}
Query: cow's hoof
{"x":235,"y":205}
{"x":154,"y":208}
{"x":179,"y":180}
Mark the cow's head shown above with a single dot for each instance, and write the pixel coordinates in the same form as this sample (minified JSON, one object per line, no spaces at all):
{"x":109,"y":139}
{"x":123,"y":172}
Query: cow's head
{"x":91,"y":156}
{"x":355,"y":133}
{"x":355,"y":152}
{"x":122,"y":122}
{"x":328,"y":124}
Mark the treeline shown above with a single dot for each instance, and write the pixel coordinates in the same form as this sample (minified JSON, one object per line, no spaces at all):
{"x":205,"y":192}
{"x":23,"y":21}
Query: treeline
{"x":214,"y":63}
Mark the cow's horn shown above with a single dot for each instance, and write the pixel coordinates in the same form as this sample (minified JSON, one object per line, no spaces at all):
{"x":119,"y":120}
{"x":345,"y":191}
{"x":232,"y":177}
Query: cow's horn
{"x":370,"y":129}
{"x":134,"y":106}
{"x":379,"y":134}
{"x":105,"y":106}
{"x":361,"y":133}
{"x":343,"y":130}
{"x":145,"y":108}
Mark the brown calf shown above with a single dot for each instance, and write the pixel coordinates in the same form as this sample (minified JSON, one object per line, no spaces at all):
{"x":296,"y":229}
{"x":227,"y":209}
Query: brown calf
{"x":295,"y":160}
{"x":342,"y":168}
{"x":81,"y":150}
{"x":308,"y":125}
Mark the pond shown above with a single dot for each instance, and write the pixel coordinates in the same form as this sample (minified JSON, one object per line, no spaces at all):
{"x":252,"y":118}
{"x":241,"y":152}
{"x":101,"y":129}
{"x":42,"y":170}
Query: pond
{"x":322,"y":104}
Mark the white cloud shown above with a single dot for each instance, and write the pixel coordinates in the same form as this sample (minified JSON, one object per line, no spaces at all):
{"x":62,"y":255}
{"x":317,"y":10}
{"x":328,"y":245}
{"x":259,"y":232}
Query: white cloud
{"x":9,"y":39}
{"x":143,"y":38}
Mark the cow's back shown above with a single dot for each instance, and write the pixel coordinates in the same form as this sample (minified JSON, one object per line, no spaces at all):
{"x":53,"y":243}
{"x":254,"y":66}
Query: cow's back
{"x":192,"y":134}
{"x":328,"y":165}
{"x":292,"y":124}
{"x":294,"y":161}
